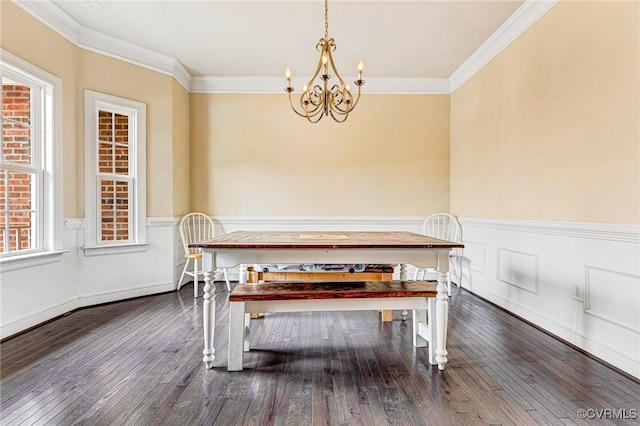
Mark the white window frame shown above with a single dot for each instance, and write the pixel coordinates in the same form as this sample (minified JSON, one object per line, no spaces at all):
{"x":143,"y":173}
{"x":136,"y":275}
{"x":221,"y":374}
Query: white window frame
{"x":136,"y":111}
{"x":47,"y":155}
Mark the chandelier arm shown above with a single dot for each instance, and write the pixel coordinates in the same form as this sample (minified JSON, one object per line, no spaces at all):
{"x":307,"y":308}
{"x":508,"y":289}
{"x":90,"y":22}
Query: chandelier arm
{"x":352,"y":104}
{"x":340,"y":118}
{"x":333,"y":67}
{"x":317,"y":106}
{"x":319,"y":66}
{"x":306,"y":113}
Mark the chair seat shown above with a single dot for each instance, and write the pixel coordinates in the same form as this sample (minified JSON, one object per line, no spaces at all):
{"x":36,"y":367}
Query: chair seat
{"x":193,"y":255}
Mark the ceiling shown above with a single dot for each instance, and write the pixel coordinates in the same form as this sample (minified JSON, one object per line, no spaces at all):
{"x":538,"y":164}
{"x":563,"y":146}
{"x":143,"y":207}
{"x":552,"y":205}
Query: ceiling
{"x":395,"y":39}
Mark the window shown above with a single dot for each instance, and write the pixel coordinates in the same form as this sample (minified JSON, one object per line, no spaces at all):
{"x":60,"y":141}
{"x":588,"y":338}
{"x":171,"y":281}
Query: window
{"x":30,"y":190}
{"x":115,"y":173}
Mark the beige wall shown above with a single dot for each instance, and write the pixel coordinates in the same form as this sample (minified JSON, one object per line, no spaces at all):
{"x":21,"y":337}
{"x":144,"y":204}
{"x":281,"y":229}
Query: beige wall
{"x":106,"y":75}
{"x":30,"y":40}
{"x":181,"y":159}
{"x":549,"y":129}
{"x":79,"y":69}
{"x":251,"y":156}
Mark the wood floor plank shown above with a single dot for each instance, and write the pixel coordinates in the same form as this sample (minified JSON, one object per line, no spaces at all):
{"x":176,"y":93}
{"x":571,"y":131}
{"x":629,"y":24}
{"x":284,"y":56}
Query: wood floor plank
{"x":139,"y":362}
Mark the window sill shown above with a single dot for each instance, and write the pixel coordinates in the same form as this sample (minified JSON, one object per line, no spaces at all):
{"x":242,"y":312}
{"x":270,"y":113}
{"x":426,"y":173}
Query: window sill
{"x":29,"y":260}
{"x":103,"y":250}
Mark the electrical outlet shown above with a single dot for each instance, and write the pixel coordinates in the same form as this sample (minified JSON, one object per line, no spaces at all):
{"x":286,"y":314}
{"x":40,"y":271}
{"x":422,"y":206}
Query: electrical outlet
{"x":577,"y":294}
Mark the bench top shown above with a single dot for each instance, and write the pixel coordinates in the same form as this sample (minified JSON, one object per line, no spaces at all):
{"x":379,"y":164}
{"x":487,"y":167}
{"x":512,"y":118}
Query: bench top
{"x":331,"y":290}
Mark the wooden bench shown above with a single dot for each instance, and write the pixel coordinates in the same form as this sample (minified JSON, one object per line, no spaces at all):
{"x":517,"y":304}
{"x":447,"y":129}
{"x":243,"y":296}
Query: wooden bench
{"x":245,"y":299}
{"x":381,"y":273}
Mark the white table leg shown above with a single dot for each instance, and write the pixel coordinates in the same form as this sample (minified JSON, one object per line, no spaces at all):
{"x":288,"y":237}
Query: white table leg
{"x":431,"y":315}
{"x":208,"y":309}
{"x":403,"y":271}
{"x":242,"y":274}
{"x":236,"y":335}
{"x":403,"y":276}
{"x":442,"y":309}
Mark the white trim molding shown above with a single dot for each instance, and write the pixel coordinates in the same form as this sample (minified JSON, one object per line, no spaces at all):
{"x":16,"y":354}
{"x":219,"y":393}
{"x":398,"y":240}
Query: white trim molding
{"x":523,"y":18}
{"x":628,"y":233}
{"x":374,"y":85}
{"x":59,"y":21}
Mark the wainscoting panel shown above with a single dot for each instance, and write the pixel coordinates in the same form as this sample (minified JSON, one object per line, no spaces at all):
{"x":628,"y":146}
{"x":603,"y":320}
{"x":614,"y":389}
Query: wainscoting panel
{"x":476,"y":254}
{"x":518,"y":269}
{"x":613,"y":296}
{"x":579,"y":281}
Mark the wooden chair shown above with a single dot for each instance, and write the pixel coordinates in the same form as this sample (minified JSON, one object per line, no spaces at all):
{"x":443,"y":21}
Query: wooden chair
{"x":196,"y":227}
{"x":445,"y":227}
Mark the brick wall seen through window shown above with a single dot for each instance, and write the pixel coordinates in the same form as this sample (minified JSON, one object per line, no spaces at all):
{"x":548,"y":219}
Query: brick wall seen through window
{"x":113,"y":160}
{"x":15,"y":186}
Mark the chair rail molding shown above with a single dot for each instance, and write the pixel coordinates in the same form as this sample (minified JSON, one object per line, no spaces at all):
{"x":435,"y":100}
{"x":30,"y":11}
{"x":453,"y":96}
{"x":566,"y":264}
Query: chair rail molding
{"x":629,"y":233}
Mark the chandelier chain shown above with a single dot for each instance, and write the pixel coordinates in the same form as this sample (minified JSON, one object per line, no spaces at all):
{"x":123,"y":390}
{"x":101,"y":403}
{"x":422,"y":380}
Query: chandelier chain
{"x":326,"y":19}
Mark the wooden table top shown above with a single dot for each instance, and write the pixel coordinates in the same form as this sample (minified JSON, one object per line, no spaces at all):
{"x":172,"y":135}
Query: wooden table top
{"x":322,"y":240}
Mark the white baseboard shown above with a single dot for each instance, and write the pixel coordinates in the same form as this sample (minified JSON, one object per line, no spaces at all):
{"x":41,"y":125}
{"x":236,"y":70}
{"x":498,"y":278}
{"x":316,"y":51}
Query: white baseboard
{"x":112,"y":296}
{"x":27,"y":321}
{"x":30,"y":320}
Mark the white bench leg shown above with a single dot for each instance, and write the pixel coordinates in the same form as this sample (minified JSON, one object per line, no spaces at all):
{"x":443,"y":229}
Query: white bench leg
{"x":419,"y":316}
{"x":247,"y":327}
{"x":236,"y":335}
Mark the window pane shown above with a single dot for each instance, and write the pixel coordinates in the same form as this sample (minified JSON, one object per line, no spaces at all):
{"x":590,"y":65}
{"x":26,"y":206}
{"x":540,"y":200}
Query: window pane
{"x":105,"y":157}
{"x":16,"y":143}
{"x":122,"y":128}
{"x":20,"y":191}
{"x":3,"y":220}
{"x":20,"y":231}
{"x":107,"y":198}
{"x":105,"y":126}
{"x":122,"y":211}
{"x":122,"y":160}
{"x":16,"y":102}
{"x":16,"y":114}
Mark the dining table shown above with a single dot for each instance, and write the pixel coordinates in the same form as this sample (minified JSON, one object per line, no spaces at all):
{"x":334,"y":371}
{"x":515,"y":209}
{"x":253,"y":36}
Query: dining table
{"x":243,"y":248}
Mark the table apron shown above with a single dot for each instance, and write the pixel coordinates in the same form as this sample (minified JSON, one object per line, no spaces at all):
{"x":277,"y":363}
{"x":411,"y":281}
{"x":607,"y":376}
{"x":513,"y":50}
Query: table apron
{"x":424,"y":258}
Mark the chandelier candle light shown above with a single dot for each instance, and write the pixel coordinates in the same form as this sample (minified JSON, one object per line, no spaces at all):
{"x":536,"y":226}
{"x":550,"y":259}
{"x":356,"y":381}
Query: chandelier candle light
{"x":317,"y":99}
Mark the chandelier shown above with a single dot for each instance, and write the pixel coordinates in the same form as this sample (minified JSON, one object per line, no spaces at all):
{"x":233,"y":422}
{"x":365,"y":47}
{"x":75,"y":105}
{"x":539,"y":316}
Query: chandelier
{"x":319,"y":99}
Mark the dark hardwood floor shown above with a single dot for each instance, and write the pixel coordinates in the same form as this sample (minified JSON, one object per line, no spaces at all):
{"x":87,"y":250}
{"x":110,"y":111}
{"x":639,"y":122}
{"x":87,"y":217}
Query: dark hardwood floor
{"x":139,"y":362}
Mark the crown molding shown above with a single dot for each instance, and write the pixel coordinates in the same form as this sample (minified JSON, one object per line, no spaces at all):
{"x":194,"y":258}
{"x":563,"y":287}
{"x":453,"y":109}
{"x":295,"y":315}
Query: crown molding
{"x":374,"y":85}
{"x":524,"y":17}
{"x":56,"y":19}
{"x":53,"y":17}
